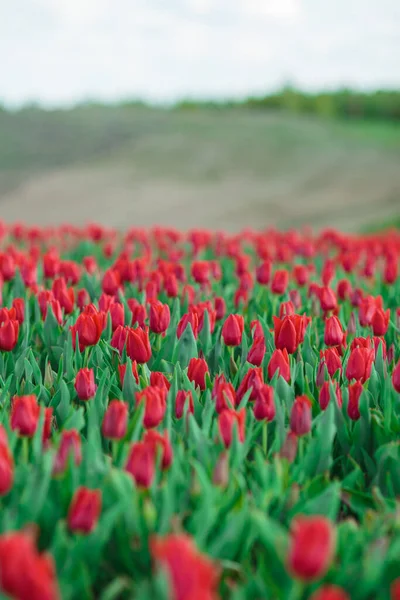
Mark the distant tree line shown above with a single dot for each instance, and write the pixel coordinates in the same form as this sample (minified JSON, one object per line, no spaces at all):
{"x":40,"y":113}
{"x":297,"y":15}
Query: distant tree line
{"x":381,"y":104}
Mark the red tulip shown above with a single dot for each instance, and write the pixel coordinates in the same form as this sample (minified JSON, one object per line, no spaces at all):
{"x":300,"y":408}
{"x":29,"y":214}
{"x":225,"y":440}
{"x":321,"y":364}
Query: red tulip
{"x":197,"y":371}
{"x":280,"y":282}
{"x":122,"y":371}
{"x":160,"y":317}
{"x":279,"y":361}
{"x":312,"y":547}
{"x":257,"y":351}
{"x":334,"y":335}
{"x":89,"y":327}
{"x":117,"y":313}
{"x":253,"y":379}
{"x":9,"y":329}
{"x":300,"y":416}
{"x":111,"y":282}
{"x":264,"y":405}
{"x":7,"y":266}
{"x":48,"y":421}
{"x":138,"y":311}
{"x":327,"y":299}
{"x":344,"y":289}
{"x":332,"y":360}
{"x":155,"y":405}
{"x":115,"y":420}
{"x":201,"y":271}
{"x":85,"y":385}
{"x":70,"y":448}
{"x":138,"y":345}
{"x":140,"y":464}
{"x":84,"y":510}
{"x":355,"y":391}
{"x":300,"y":274}
{"x":182,"y":398}
{"x":158,"y":441}
{"x":25,"y":415}
{"x":360,"y":364}
{"x":289,"y":448}
{"x":220,"y":308}
{"x":26,"y":574}
{"x":119,"y":338}
{"x":64,"y":295}
{"x":159,"y":380}
{"x":289,"y":332}
{"x":395,"y":590}
{"x":227,"y":420}
{"x":19,"y":307}
{"x":225,"y":397}
{"x":325,"y":395}
{"x":380,"y":321}
{"x":330,"y":592}
{"x":193,"y":575}
{"x":191,"y":319}
{"x":396,"y":377}
{"x":6,"y":469}
{"x":232,"y":330}
{"x":263,"y":273}
{"x":51,"y":265}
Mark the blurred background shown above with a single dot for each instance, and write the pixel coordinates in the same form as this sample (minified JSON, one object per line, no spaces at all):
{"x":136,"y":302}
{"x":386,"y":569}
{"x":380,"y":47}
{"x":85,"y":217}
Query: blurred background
{"x":192,"y":113}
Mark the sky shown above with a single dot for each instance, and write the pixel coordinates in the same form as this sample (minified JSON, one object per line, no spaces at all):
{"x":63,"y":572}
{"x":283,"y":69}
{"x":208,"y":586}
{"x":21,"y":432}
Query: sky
{"x":64,"y":51}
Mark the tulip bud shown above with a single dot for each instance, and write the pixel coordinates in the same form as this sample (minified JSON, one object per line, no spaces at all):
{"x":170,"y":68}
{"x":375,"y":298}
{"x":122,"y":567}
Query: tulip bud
{"x":300,"y":416}
{"x":25,"y":415}
{"x":19,"y":306}
{"x":220,"y":307}
{"x":70,"y":446}
{"x":84,"y":510}
{"x":325,"y":395}
{"x":197,"y":370}
{"x":289,"y":448}
{"x":264,"y":405}
{"x":155,"y":405}
{"x":359,"y":364}
{"x":115,"y":420}
{"x":256,"y":353}
{"x":312,"y":547}
{"x":330,"y":592}
{"x":355,"y":391}
{"x":263,"y":273}
{"x":332,"y":360}
{"x":159,"y":380}
{"x":229,"y":419}
{"x":138,"y":345}
{"x":160,"y":317}
{"x":334,"y":335}
{"x":140,"y":464}
{"x":232,"y":330}
{"x":156,"y":441}
{"x":85,"y":385}
{"x":182,"y":398}
{"x":280,"y":282}
{"x":253,"y":379}
{"x":279,"y":361}
{"x":122,"y":372}
{"x":396,"y":377}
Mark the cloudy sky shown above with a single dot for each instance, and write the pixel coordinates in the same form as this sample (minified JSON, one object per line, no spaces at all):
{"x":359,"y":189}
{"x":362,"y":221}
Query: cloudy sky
{"x":62,"y":51}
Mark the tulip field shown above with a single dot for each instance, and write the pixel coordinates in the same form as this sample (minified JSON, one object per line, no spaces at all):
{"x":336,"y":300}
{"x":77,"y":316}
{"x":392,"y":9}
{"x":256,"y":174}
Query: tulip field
{"x":199,"y":415}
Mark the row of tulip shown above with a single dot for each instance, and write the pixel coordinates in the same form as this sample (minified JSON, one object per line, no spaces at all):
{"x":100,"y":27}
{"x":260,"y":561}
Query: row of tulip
{"x":199,"y":416}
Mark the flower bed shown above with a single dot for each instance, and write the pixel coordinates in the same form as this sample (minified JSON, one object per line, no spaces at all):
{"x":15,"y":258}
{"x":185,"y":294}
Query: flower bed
{"x":199,"y":416}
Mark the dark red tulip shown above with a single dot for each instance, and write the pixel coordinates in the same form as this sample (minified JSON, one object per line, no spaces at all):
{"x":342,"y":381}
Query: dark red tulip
{"x":84,"y":510}
{"x":263,"y":273}
{"x":197,"y":371}
{"x":227,"y":420}
{"x":19,"y":307}
{"x":396,"y":377}
{"x":155,"y":405}
{"x":115,"y":420}
{"x":264,"y":405}
{"x":220,"y":307}
{"x":327,"y":298}
{"x":232,"y":330}
{"x":193,"y":575}
{"x":395,"y":590}
{"x":70,"y":448}
{"x":380,"y":321}
{"x":9,"y":329}
{"x":140,"y":464}
{"x":325,"y":394}
{"x":311,"y":548}
{"x":25,"y":415}
{"x":332,"y":360}
{"x":138,"y":345}
{"x":280,"y":281}
{"x":289,"y":332}
{"x":279,"y":361}
{"x":117,"y":313}
{"x":160,"y":317}
{"x":139,"y":313}
{"x":344,"y":289}
{"x":119,"y":338}
{"x":353,"y":407}
{"x":300,"y":416}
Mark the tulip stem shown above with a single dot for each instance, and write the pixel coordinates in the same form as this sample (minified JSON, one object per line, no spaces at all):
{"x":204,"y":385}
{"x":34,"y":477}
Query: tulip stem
{"x":297,"y":591}
{"x":265,"y":438}
{"x":25,"y":449}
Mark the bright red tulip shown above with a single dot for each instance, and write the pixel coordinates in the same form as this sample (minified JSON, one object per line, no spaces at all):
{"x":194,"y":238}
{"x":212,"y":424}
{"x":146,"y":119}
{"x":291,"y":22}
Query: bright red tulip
{"x":263,"y":273}
{"x":139,"y":313}
{"x":140,"y":464}
{"x":289,"y":332}
{"x":325,"y":395}
{"x":160,"y":442}
{"x":355,"y":391}
{"x":380,"y":321}
{"x":6,"y":469}
{"x":257,"y":351}
{"x":19,"y":307}
{"x":312,"y":547}
{"x":159,"y":380}
{"x":160,"y":317}
{"x":327,"y":299}
{"x":191,"y":319}
{"x":396,"y":377}
{"x":334,"y":335}
{"x":88,"y":327}
{"x":225,"y":396}
{"x":232,"y":330}
{"x":253,"y":379}
{"x":359,"y":364}
{"x":9,"y":329}
{"x":183,"y":398}
{"x":122,"y":371}
{"x":84,"y":510}
{"x":330,"y":592}
{"x":332,"y":360}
